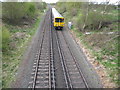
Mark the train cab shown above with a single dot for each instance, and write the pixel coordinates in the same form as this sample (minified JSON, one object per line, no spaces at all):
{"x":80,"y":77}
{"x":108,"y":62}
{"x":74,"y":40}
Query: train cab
{"x":58,"y":19}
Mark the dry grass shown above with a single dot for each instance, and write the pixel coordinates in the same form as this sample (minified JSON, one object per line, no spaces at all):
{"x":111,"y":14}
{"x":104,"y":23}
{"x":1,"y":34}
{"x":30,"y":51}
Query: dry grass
{"x":101,"y":49}
{"x":100,"y":40}
{"x":105,"y":50}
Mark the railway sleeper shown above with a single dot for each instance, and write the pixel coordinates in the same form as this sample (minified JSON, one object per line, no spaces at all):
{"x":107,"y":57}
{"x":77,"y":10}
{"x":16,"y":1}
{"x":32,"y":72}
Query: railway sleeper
{"x":42,"y":81}
{"x":71,"y":69}
{"x":78,"y":85}
{"x":43,"y":71}
{"x":41,"y":86}
{"x":44,"y":60}
{"x":74,"y":72}
{"x":43,"y":63}
{"x":69,"y":62}
{"x":43,"y":66}
{"x":42,"y":77}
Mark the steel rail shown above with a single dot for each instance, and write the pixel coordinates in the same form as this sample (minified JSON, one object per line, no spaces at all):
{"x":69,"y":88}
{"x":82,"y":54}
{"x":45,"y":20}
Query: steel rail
{"x":66,"y":75}
{"x":36,"y":69}
{"x":38,"y":59}
{"x":76,"y":63}
{"x":51,"y":54}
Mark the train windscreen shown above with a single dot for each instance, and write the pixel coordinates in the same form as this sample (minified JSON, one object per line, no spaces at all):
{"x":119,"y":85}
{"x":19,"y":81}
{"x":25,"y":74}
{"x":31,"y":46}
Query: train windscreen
{"x":59,"y":20}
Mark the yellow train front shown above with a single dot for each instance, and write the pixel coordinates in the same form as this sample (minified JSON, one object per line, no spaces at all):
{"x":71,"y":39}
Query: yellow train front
{"x":58,"y":19}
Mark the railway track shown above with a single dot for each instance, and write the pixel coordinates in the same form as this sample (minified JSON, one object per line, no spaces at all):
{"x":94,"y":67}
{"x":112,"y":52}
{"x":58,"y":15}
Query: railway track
{"x":44,"y":70}
{"x":75,"y":78}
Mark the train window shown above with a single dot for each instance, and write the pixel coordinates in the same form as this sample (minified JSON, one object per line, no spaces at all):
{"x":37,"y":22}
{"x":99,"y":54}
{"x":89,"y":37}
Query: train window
{"x":59,"y":20}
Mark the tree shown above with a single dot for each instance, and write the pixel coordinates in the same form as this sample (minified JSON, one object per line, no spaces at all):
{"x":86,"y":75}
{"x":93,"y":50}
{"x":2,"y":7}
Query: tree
{"x":86,"y":15}
{"x":107,"y":2}
{"x":12,"y":12}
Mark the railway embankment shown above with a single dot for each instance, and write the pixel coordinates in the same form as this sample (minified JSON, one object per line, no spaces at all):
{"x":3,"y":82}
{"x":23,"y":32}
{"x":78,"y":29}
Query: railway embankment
{"x":48,"y":58}
{"x":19,"y":43}
{"x":53,"y":61}
{"x":97,"y":34}
{"x":18,"y":28}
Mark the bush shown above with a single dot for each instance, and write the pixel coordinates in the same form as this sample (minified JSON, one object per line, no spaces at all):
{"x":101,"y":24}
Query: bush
{"x":12,"y":12}
{"x":41,"y":6}
{"x":0,"y":39}
{"x":5,"y":39}
{"x":93,"y":20}
{"x":79,"y":21}
{"x":31,"y":10}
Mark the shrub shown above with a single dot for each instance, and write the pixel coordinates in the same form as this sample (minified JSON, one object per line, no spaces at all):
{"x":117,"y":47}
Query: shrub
{"x":31,"y":10}
{"x":0,"y":39}
{"x":94,"y":19}
{"x":12,"y":12}
{"x":80,"y":21}
{"x":5,"y":39}
{"x":40,"y":6}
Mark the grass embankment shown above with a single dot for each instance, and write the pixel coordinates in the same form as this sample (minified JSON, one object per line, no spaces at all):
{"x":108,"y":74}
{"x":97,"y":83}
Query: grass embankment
{"x":104,"y":49}
{"x":101,"y":43}
{"x":20,"y":36}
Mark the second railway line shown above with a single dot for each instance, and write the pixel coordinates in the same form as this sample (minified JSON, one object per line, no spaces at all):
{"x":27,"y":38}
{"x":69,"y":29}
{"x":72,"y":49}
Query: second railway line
{"x":74,"y":75}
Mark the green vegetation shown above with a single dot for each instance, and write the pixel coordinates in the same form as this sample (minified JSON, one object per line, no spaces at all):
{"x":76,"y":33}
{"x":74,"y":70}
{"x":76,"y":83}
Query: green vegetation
{"x":5,"y":39}
{"x":97,"y":28}
{"x":13,"y":12}
{"x":16,"y":13}
{"x":20,"y":22}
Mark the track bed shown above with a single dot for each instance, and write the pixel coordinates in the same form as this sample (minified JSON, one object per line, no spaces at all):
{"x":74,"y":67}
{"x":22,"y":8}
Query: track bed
{"x":54,"y":64}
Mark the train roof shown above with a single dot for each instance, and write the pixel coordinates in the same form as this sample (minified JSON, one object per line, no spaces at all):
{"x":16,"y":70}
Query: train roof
{"x":56,"y":13}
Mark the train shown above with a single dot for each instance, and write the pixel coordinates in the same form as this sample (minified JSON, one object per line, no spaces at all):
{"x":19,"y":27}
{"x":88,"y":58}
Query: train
{"x":57,"y":19}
